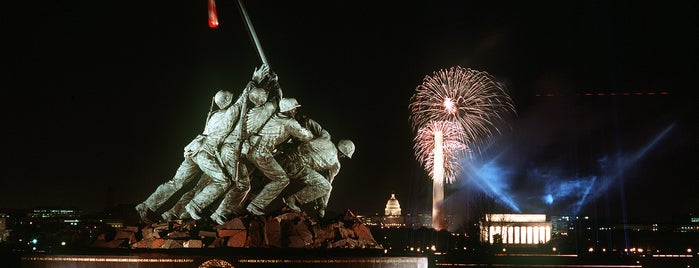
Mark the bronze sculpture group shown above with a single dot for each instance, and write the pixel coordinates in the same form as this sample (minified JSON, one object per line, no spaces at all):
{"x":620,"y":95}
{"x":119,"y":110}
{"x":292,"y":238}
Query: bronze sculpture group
{"x":258,"y":133}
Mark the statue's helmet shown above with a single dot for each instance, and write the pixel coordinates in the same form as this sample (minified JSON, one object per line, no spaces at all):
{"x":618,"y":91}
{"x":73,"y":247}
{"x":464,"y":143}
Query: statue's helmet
{"x":258,"y":96}
{"x":288,"y":104}
{"x":223,"y":99}
{"x":346,"y":147}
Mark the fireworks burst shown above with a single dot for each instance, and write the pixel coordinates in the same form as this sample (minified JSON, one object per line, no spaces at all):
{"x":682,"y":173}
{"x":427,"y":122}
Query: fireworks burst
{"x":467,"y":106}
{"x":452,"y":145}
{"x":469,"y":97}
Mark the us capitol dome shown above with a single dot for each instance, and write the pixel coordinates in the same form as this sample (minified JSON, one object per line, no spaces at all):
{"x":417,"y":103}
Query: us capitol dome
{"x":392,"y":206}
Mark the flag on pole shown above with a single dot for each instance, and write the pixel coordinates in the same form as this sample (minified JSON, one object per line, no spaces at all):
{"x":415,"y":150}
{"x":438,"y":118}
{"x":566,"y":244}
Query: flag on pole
{"x":213,"y":18}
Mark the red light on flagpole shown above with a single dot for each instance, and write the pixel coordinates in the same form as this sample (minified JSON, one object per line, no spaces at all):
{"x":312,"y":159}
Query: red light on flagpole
{"x":213,"y":18}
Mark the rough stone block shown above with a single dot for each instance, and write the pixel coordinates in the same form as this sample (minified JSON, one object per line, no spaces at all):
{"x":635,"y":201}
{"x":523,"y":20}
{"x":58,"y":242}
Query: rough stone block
{"x":351,"y":243}
{"x":193,"y":243}
{"x":188,"y":225}
{"x":148,"y":232}
{"x":149,"y":243}
{"x":368,"y":244}
{"x":144,"y":243}
{"x":303,"y":231}
{"x":292,"y":230}
{"x":227,"y":232}
{"x":362,"y":232}
{"x":339,"y":244}
{"x":255,"y":236}
{"x":290,"y":216}
{"x":237,"y":240}
{"x":159,"y":242}
{"x":177,"y":234}
{"x":171,"y":243}
{"x":207,"y":234}
{"x":161,"y":227}
{"x":347,"y":233}
{"x":324,"y":232}
{"x":273,"y":233}
{"x":234,"y":224}
{"x":323,"y":235}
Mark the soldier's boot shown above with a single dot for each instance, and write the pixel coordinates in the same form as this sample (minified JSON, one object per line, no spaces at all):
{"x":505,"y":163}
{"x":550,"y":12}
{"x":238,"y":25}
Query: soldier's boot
{"x":254,"y":210}
{"x":142,"y":210}
{"x":168,"y":215}
{"x":292,"y":203}
{"x":193,"y":211}
{"x":218,"y":218}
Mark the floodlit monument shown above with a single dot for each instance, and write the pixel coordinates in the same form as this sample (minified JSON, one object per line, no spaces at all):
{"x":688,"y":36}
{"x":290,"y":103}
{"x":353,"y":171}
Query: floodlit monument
{"x":211,"y":209}
{"x":259,"y":133}
{"x":393,"y":216}
{"x":244,"y":138}
{"x":516,"y":229}
{"x":392,"y":207}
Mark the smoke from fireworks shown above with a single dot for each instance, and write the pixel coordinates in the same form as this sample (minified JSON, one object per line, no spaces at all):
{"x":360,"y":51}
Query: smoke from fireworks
{"x":471,"y":99}
{"x":452,"y":145}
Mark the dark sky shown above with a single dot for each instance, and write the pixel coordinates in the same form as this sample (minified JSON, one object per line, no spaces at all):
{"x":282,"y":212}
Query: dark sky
{"x":101,"y":96}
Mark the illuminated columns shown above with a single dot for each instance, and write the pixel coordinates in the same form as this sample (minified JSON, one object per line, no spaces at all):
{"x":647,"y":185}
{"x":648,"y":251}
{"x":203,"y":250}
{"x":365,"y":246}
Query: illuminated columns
{"x":438,"y":181}
{"x":521,"y":229}
{"x":542,"y":235}
{"x":510,"y":235}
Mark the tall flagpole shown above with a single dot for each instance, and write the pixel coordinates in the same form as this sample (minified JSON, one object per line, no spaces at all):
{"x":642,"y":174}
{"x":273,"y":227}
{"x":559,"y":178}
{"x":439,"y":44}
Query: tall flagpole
{"x":253,"y":34}
{"x":256,"y":41}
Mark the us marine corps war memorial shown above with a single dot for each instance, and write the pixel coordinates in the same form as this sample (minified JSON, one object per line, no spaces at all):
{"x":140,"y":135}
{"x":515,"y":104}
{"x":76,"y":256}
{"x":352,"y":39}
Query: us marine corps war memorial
{"x":251,"y":191}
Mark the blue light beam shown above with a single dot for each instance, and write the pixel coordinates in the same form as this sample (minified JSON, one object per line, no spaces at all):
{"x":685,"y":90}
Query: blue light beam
{"x":492,"y":179}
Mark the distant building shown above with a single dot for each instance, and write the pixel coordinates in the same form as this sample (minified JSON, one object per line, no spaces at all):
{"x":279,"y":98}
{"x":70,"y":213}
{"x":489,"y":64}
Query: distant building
{"x":392,"y":206}
{"x":561,"y":224}
{"x":516,"y":229}
{"x":54,"y":213}
{"x":68,"y":217}
{"x":392,"y":216}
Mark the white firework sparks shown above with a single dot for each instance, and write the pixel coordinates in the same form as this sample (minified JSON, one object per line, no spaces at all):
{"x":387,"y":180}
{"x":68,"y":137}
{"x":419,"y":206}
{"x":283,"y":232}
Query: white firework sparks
{"x":467,"y":105}
{"x":469,"y":97}
{"x":452,"y":147}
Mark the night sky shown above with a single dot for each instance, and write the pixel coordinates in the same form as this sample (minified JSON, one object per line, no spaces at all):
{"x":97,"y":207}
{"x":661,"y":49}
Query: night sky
{"x":100,"y":97}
